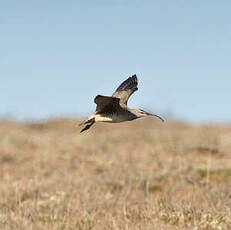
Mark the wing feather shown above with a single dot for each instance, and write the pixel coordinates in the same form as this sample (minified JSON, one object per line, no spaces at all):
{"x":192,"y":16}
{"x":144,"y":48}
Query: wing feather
{"x":107,"y":105}
{"x":126,"y":89}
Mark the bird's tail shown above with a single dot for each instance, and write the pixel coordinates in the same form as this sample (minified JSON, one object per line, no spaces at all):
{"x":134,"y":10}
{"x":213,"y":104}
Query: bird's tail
{"x":88,"y":124}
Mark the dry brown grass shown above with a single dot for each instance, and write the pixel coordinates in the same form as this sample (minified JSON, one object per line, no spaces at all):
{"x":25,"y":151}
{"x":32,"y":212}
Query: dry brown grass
{"x":138,"y":175}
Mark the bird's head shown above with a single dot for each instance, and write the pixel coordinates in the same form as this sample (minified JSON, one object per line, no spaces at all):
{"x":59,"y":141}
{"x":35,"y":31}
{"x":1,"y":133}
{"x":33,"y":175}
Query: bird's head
{"x":142,"y":113}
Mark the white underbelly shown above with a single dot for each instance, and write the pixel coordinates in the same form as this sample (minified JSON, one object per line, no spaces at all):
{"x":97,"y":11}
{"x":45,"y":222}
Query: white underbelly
{"x":111,"y":119}
{"x":103,"y":119}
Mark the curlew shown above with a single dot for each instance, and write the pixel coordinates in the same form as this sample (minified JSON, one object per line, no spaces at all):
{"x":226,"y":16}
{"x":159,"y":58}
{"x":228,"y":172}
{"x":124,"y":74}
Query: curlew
{"x":114,"y":109}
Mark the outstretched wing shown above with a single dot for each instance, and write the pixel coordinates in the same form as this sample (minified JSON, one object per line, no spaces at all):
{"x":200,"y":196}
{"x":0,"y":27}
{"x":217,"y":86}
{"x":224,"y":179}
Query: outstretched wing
{"x":107,"y":105}
{"x":126,"y":89}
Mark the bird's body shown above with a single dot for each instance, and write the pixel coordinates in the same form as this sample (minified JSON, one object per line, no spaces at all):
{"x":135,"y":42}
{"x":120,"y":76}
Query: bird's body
{"x":114,"y":109}
{"x":115,"y":117}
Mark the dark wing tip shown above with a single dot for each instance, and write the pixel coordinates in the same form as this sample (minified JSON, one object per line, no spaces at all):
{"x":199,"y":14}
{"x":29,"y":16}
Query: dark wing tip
{"x":130,"y":83}
{"x":97,"y":98}
{"x":134,"y":77}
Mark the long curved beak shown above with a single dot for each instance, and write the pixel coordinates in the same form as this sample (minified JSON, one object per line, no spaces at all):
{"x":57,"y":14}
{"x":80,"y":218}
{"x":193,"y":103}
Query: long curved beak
{"x":154,"y":115}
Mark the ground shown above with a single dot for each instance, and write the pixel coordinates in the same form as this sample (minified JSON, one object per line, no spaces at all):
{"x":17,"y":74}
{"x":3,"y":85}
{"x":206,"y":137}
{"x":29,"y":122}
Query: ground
{"x":143,"y":175}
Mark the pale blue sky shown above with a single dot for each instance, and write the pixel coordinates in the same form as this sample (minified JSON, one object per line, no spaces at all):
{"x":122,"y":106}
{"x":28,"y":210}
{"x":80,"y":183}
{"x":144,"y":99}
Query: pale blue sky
{"x":55,"y":56}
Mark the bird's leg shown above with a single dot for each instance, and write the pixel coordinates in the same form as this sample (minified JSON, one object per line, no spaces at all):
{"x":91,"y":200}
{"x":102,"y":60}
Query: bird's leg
{"x":88,"y":124}
{"x":89,"y":120}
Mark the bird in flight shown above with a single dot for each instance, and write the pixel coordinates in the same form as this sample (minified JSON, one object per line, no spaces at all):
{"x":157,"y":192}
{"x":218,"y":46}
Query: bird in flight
{"x":114,"y":109}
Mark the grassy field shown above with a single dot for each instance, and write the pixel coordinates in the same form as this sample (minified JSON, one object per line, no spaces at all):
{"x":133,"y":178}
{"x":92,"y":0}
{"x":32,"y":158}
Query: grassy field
{"x":135,"y":175}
